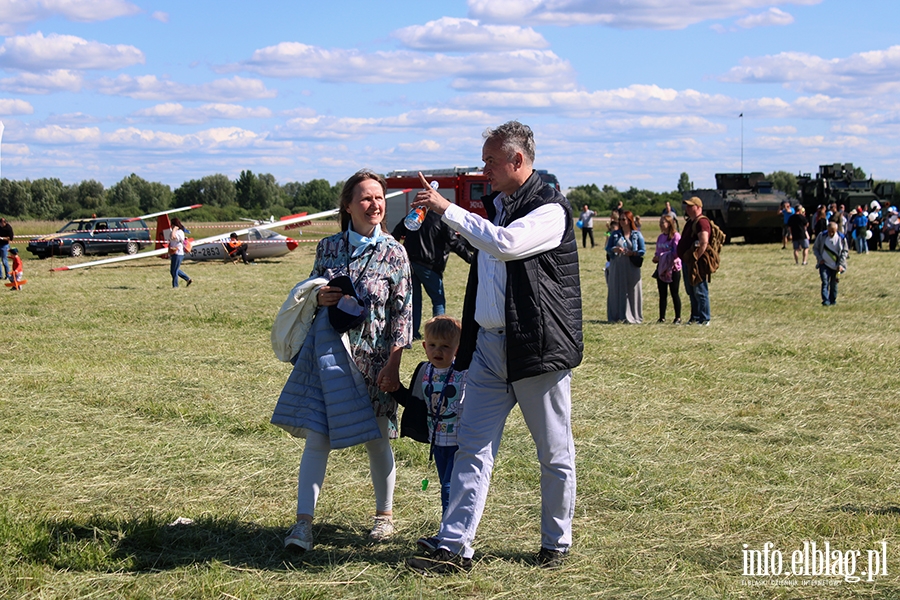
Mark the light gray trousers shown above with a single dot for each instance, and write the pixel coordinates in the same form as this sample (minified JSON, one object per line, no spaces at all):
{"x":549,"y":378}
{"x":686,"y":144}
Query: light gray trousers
{"x":545,"y":402}
{"x":314,"y":462}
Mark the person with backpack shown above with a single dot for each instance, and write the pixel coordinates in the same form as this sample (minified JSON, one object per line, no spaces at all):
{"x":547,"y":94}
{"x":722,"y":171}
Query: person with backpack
{"x":831,"y":251}
{"x":699,"y":254}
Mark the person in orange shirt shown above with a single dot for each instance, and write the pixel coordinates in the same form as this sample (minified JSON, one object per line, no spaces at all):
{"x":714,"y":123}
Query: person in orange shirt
{"x":16,"y":274}
{"x":235,"y":247}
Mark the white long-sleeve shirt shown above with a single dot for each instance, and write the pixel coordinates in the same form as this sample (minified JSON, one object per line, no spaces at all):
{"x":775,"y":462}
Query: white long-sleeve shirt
{"x":539,"y":231}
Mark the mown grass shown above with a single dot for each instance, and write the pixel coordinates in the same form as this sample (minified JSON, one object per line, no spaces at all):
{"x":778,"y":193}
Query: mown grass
{"x":128,"y":404}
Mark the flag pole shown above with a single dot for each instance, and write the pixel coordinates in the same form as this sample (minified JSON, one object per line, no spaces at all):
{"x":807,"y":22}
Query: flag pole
{"x":742,"y":142}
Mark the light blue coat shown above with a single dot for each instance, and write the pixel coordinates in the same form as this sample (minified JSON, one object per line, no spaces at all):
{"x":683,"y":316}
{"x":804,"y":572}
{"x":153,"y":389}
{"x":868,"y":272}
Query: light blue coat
{"x":326,"y":392}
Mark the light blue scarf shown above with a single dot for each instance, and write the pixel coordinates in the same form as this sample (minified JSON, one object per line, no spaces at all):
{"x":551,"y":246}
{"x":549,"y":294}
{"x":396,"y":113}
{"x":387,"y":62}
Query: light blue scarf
{"x":360,"y":243}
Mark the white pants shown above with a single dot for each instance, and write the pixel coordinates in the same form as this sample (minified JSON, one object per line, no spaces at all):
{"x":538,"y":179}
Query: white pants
{"x":545,"y":402}
{"x":315,"y":461}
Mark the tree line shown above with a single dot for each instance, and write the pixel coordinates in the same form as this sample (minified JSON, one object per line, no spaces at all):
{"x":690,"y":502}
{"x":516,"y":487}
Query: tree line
{"x":250,"y":196}
{"x":261,"y":196}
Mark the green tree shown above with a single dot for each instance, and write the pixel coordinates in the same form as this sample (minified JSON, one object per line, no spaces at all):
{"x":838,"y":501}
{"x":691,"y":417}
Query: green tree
{"x":90,"y":194}
{"x":211,"y":191}
{"x":46,"y":197}
{"x":584,"y":194}
{"x":317,"y":194}
{"x":784,"y":181}
{"x":15,"y":198}
{"x":684,"y":183}
{"x":259,"y":194}
{"x":270,"y":192}
{"x":134,"y":194}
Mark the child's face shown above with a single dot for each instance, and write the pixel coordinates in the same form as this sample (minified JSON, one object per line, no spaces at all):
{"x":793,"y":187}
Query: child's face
{"x":440,"y":353}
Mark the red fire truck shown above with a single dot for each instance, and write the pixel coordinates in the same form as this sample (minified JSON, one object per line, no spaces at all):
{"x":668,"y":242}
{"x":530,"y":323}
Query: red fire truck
{"x":461,"y":185}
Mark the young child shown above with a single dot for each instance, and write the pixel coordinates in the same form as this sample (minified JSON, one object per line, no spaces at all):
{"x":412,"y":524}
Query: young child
{"x":16,"y":274}
{"x":433,"y":403}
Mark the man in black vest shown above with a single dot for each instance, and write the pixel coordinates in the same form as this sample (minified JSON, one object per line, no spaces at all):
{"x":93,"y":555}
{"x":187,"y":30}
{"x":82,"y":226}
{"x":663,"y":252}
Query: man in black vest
{"x":521,"y":338}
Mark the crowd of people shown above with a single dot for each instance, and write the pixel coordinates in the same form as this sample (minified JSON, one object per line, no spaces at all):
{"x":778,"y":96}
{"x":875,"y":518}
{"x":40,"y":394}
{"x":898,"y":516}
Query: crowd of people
{"x":520,"y":336}
{"x":869,"y":228}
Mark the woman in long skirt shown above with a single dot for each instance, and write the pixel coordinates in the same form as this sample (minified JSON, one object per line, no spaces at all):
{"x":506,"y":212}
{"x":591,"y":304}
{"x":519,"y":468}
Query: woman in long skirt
{"x":625,"y":247}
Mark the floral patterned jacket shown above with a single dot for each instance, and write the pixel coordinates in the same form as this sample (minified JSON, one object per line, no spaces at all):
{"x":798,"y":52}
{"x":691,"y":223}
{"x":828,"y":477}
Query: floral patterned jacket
{"x":381,"y":277}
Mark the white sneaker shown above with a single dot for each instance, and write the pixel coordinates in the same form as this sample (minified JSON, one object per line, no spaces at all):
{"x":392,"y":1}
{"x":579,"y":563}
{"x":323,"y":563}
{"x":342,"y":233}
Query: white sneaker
{"x":383,"y":529}
{"x":300,"y":538}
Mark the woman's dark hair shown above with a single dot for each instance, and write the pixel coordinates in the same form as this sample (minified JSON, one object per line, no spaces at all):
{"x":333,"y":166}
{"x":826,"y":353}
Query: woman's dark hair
{"x":346,"y":196}
{"x":177,"y":223}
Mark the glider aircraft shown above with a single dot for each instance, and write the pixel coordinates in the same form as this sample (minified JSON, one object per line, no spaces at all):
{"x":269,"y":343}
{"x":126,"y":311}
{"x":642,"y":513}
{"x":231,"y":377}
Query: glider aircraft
{"x":261,"y":241}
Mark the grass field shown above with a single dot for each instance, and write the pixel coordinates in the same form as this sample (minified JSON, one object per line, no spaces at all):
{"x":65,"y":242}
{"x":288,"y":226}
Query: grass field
{"x":128,"y":404}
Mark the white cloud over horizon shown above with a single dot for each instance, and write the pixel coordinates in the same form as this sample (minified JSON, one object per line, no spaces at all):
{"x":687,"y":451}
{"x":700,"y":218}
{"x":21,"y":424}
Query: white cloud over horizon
{"x":14,"y":106}
{"x":151,"y":87}
{"x":49,"y":82}
{"x":773,"y":16}
{"x":173,"y":112}
{"x":17,"y":14}
{"x":865,"y":72}
{"x":298,"y":60}
{"x":449,"y":34}
{"x":36,"y":52}
{"x":634,"y":14}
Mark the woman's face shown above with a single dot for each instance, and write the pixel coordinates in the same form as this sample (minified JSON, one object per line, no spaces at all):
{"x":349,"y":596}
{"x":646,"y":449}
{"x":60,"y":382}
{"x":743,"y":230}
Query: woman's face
{"x":367,"y":207}
{"x":663,"y":226}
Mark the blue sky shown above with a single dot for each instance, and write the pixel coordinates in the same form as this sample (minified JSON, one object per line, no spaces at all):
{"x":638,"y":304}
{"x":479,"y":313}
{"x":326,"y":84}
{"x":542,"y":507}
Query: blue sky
{"x":621,"y":93}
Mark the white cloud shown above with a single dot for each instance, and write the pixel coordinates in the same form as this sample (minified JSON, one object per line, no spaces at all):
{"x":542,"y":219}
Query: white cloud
{"x":160,"y":16}
{"x":89,"y":11}
{"x":58,"y":80}
{"x":449,"y":34}
{"x":547,"y":84}
{"x":417,"y":121}
{"x":866,"y":72}
{"x":14,"y":106}
{"x":850,"y":128}
{"x":294,"y":59}
{"x":777,"y":130}
{"x":645,"y":128}
{"x":429,"y":146}
{"x":773,"y":16}
{"x":16,"y":149}
{"x":150,"y":87}
{"x":651,"y":14}
{"x":176,"y":113}
{"x":55,"y":134}
{"x":37,"y":53}
{"x":300,"y":111}
{"x":144,"y":139}
{"x":637,"y":99}
{"x":17,"y":14}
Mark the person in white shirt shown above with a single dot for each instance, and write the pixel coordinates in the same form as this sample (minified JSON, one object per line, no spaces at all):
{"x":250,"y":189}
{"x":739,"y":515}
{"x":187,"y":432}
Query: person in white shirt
{"x":176,"y":254}
{"x":521,"y":338}
{"x":831,"y":251}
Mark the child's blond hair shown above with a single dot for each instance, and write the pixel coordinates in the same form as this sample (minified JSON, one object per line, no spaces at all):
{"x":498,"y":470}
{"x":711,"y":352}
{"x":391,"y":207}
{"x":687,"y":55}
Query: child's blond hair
{"x":443,"y":328}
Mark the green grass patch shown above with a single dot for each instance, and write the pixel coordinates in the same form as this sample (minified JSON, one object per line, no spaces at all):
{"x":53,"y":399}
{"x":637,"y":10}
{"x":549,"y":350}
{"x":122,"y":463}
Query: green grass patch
{"x":129,"y":404}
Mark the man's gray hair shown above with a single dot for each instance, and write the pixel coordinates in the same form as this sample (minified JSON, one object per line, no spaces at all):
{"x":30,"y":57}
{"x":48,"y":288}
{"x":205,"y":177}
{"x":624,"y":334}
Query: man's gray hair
{"x":514,"y":137}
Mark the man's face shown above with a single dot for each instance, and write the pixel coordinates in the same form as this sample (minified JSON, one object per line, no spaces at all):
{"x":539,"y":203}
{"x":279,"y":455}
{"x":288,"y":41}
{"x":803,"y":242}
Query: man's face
{"x":692,"y":211}
{"x":498,"y":167}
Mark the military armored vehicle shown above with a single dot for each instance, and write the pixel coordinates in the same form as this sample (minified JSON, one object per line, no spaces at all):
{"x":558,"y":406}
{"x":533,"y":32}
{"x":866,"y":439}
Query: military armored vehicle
{"x":837,"y":184}
{"x":743,"y":205}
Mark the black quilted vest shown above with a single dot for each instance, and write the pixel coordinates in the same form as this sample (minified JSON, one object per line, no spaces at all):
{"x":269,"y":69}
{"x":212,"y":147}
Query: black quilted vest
{"x":543,"y":295}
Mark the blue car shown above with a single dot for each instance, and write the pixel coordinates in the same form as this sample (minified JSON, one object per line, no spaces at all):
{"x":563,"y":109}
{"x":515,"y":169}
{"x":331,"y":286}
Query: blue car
{"x":93,"y":236}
